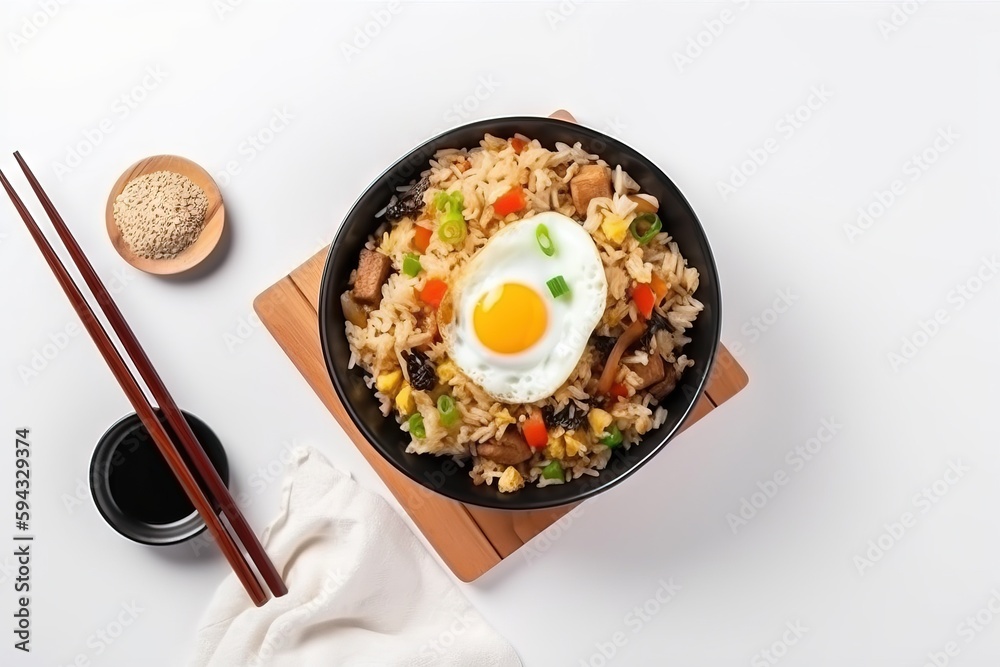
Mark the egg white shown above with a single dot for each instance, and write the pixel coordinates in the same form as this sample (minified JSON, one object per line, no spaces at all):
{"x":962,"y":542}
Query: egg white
{"x":512,"y":255}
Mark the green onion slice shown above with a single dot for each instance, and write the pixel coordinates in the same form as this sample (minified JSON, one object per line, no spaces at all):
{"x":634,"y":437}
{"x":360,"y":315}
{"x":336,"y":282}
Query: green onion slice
{"x":452,"y":229}
{"x":444,"y":201}
{"x":613,"y":437}
{"x":448,"y":410}
{"x":544,"y":240}
{"x":553,"y":470}
{"x":645,"y":227}
{"x":416,"y":423}
{"x":451,"y":222}
{"x":411,"y":264}
{"x":558,"y":286}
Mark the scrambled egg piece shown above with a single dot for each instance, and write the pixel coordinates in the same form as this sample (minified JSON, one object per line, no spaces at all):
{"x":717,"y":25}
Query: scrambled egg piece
{"x":446,"y":371}
{"x":614,"y":227}
{"x":503,"y":417}
{"x":388,"y":383}
{"x":510,"y":481}
{"x":404,"y":400}
{"x":599,"y":420}
{"x":555,"y":449}
{"x":574,"y":445}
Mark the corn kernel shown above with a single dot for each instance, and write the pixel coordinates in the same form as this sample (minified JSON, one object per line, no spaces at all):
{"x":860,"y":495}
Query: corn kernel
{"x":510,"y":480}
{"x":555,"y":449}
{"x":574,"y":446}
{"x":599,"y":421}
{"x":614,"y":227}
{"x":404,"y":400}
{"x":388,"y":383}
{"x":446,"y":371}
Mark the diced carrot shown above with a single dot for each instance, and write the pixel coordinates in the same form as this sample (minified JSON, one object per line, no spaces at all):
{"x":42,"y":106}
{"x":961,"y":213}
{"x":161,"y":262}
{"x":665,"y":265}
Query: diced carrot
{"x":534,"y":431}
{"x":618,"y":391}
{"x":518,"y":144}
{"x":421,"y":237}
{"x":659,"y":287}
{"x":644,"y":299}
{"x":511,"y":202}
{"x":433,"y":292}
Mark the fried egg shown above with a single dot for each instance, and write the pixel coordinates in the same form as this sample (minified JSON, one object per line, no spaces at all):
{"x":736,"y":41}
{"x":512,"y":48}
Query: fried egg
{"x":501,"y":323}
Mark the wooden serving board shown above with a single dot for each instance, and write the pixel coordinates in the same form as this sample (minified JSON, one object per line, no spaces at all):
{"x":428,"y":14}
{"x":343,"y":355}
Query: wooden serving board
{"x":470,"y":540}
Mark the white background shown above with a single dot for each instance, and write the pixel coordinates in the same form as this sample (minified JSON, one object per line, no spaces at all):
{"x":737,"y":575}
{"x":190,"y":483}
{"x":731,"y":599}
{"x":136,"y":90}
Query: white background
{"x":853,"y":302}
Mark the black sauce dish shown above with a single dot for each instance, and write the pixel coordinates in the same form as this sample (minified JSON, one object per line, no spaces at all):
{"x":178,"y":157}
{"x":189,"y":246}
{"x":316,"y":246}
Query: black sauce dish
{"x":135,"y":490}
{"x":441,"y":474}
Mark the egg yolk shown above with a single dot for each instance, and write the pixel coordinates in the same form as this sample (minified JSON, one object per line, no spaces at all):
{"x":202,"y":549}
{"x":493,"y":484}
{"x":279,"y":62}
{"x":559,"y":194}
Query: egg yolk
{"x":510,"y":318}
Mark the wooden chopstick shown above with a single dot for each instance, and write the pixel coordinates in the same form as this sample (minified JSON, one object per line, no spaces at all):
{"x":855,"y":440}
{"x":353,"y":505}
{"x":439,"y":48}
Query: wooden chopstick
{"x":196,"y":453}
{"x":141,"y":405}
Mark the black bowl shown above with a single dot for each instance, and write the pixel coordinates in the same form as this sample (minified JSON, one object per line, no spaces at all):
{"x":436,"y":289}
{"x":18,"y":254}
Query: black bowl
{"x":441,"y":474}
{"x":134,"y":489}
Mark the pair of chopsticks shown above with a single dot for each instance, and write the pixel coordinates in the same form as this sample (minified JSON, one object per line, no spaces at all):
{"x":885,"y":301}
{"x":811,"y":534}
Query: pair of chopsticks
{"x":216,"y":487}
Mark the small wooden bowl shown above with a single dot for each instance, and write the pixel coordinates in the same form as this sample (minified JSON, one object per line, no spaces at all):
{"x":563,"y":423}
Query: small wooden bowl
{"x":215,"y":216}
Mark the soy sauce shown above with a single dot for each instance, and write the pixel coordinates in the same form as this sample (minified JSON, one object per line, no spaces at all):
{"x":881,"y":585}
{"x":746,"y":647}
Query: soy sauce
{"x":142,"y":484}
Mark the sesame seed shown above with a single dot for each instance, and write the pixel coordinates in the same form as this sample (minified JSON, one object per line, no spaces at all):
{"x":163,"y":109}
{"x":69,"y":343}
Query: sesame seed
{"x":160,"y":214}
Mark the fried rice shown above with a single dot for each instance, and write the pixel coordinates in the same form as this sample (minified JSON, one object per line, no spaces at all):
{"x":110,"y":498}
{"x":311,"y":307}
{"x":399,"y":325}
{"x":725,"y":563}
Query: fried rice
{"x":397,"y":325}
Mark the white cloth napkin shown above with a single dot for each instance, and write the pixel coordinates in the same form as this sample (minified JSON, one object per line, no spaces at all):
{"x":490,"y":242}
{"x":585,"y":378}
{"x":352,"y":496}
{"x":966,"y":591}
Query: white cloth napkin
{"x":361,"y":590}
